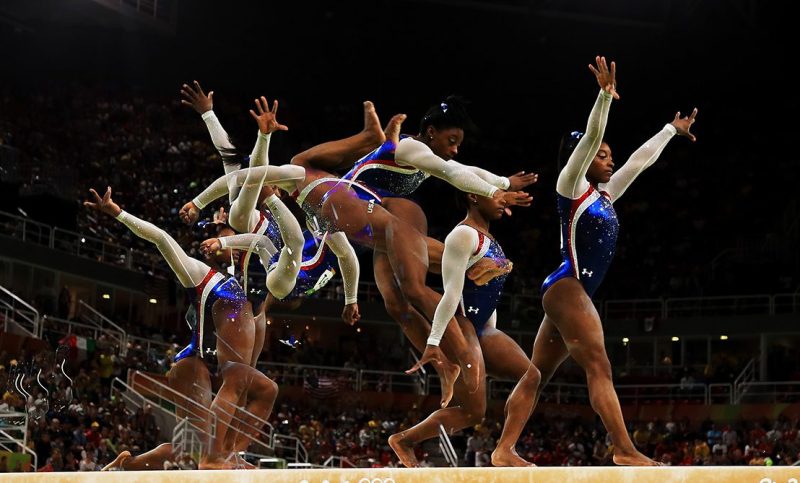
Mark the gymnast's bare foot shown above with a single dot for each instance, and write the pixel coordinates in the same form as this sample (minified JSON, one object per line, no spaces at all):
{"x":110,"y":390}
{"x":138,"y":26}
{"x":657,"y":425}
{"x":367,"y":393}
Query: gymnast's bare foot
{"x":403,"y":450}
{"x":508,"y":457}
{"x":634,"y":458}
{"x":372,"y":125}
{"x":117,"y":463}
{"x":392,"y":130}
{"x":448,"y":373}
{"x":218,"y":464}
{"x":486,"y":269}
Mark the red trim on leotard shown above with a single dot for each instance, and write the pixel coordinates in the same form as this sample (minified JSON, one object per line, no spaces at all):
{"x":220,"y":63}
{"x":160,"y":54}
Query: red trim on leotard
{"x":573,"y":209}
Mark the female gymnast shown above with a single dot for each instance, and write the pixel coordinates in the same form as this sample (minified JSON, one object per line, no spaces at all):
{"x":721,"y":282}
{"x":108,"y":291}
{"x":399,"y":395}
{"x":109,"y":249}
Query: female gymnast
{"x":586,"y":190}
{"x":217,"y":299}
{"x":467,"y":243}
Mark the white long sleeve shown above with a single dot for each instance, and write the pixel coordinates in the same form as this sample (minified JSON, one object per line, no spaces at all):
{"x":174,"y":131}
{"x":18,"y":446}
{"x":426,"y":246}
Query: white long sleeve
{"x":458,"y":247}
{"x":572,"y":179}
{"x":222,"y":142}
{"x":286,"y":176}
{"x":282,"y":279}
{"x":500,"y":182}
{"x":641,"y":159}
{"x":411,"y":152}
{"x":231,"y":161}
{"x":261,"y":245}
{"x":243,"y":215}
{"x":348,"y":265}
{"x":260,"y":154}
{"x":190,"y":272}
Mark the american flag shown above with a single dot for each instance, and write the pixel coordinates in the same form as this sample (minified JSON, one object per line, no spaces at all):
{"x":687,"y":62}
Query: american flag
{"x":320,"y":387}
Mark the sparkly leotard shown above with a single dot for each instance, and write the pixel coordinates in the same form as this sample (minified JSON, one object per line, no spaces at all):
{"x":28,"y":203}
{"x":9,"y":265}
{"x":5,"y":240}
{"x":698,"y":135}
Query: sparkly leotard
{"x":382,"y":174}
{"x":478,"y":302}
{"x":215,"y":286}
{"x":589,"y":230}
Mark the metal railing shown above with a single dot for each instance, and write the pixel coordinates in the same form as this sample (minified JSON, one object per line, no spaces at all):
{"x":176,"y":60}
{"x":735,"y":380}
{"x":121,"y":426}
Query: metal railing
{"x":638,"y":393}
{"x":168,"y":404}
{"x":291,"y":446}
{"x":56,"y":325}
{"x":682,"y":307}
{"x":14,"y":435}
{"x":148,"y":345}
{"x":89,"y":314}
{"x":634,"y":309}
{"x":422,"y":373}
{"x":773,"y":392}
{"x":262,"y":434}
{"x":747,"y":375}
{"x":82,"y":245}
{"x":186,"y":439}
{"x":338,"y":462}
{"x":296,"y":374}
{"x":720,"y":393}
{"x":19,"y":313}
{"x":527,"y":306}
{"x":719,"y":306}
{"x":26,"y":230}
{"x":390,"y":381}
{"x":446,"y":447}
{"x":570,"y":393}
{"x":556,"y":392}
{"x":786,"y":303}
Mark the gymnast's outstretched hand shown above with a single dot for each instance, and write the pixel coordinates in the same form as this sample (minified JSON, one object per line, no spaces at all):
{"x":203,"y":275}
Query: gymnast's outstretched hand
{"x":683,"y":124}
{"x":606,"y":78}
{"x":194,"y":97}
{"x":521,"y":180}
{"x":105,"y":204}
{"x":267,"y":118}
{"x":433,"y":354}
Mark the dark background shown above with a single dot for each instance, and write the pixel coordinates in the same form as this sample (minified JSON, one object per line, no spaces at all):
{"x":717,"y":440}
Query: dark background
{"x":523,"y":66}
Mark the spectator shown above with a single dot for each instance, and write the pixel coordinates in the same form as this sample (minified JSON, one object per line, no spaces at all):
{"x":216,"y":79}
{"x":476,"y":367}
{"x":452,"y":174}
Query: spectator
{"x":88,"y":462}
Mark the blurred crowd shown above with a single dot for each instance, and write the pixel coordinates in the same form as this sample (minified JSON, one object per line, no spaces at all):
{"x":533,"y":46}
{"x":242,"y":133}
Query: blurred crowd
{"x":73,"y":423}
{"x":360,"y":435}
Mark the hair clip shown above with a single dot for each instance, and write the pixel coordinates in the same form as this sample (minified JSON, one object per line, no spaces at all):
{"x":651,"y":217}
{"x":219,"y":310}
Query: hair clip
{"x":444,"y":106}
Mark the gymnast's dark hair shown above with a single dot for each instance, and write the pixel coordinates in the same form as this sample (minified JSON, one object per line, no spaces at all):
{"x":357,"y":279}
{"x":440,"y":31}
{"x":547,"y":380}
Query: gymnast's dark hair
{"x":450,"y":113}
{"x":568,"y":143}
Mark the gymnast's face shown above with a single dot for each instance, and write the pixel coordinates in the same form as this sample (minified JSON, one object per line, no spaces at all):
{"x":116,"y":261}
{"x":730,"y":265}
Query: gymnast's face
{"x":445,"y":142}
{"x":602,"y":166}
{"x":488,"y":207}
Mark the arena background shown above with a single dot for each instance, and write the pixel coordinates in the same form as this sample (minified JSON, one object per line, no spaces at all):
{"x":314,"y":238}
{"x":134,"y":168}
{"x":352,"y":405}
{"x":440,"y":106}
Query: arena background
{"x":700,"y":307}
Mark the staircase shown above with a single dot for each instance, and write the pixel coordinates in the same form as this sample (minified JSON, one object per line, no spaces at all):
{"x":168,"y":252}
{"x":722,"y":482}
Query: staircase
{"x":18,"y":316}
{"x":91,"y":317}
{"x":13,"y":435}
{"x":187,"y":432}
